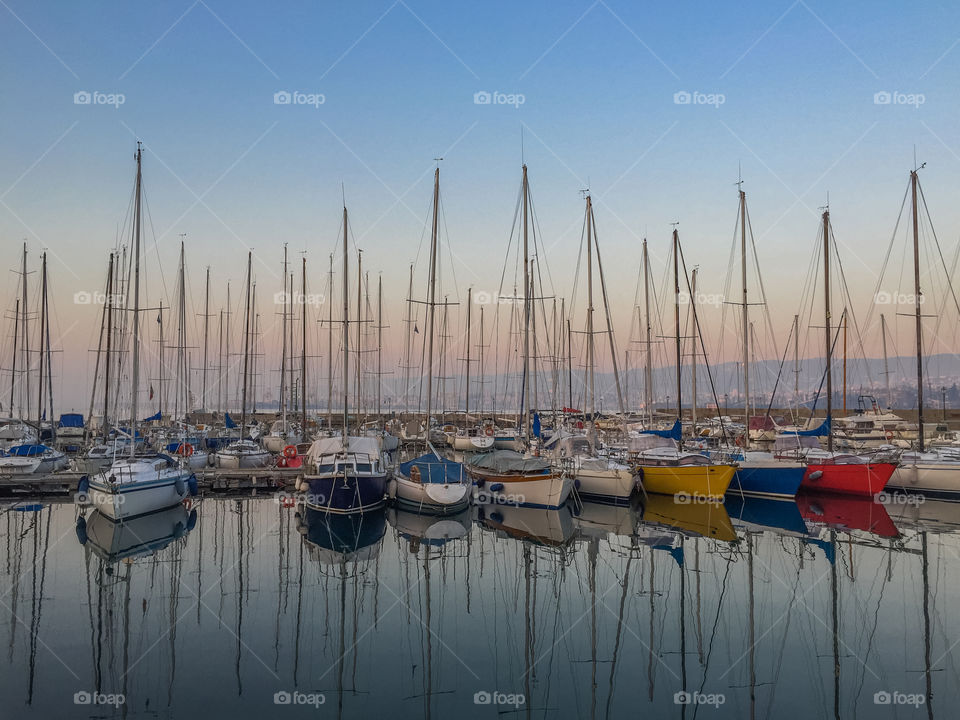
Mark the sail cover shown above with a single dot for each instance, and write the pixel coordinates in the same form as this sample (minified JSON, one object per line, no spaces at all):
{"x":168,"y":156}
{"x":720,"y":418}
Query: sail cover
{"x":434,"y":470}
{"x":508,"y":461}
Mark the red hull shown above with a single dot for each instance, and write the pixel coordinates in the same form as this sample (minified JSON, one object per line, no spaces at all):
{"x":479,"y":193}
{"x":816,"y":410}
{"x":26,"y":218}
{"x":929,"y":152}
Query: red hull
{"x":865,"y":480}
{"x":847,"y":513}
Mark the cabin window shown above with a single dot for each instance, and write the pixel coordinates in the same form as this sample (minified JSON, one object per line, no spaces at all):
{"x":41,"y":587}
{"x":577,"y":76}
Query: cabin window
{"x":363,"y":467}
{"x":325,"y":468}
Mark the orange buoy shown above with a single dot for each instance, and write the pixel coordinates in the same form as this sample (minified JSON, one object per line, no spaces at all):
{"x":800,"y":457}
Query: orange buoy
{"x":290,"y":451}
{"x":488,"y":431}
{"x":185,"y":449}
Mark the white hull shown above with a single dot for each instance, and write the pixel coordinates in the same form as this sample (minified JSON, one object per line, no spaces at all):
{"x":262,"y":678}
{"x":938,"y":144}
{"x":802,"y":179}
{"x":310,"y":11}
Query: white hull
{"x":508,"y":443}
{"x":125,"y":500}
{"x":472,"y":443}
{"x":548,"y":492}
{"x":276,"y":443}
{"x":236,"y":461}
{"x":611,"y":483}
{"x":432,"y":496}
{"x":941,"y":479}
{"x":18,"y":466}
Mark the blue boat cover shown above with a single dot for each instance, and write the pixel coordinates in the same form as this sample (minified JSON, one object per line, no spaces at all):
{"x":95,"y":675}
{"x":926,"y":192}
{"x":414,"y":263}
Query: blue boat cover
{"x":821,"y":431}
{"x":434,"y":470}
{"x":673,"y":433}
{"x":153,"y":418}
{"x":228,"y":421}
{"x":71,"y":420}
{"x":28,"y":450}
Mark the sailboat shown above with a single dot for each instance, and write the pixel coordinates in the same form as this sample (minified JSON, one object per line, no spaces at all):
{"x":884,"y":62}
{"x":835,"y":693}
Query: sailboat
{"x":934,"y":472}
{"x":244,"y":453}
{"x":758,"y":473}
{"x":830,"y":472}
{"x":663,"y":465}
{"x":508,"y":476}
{"x":137,"y":485}
{"x":431,"y":483}
{"x":282,"y":432}
{"x":345,"y":474}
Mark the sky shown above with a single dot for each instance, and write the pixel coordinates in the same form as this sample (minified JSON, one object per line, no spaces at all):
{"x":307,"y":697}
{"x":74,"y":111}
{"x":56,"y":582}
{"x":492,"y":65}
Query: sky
{"x":656,"y":109}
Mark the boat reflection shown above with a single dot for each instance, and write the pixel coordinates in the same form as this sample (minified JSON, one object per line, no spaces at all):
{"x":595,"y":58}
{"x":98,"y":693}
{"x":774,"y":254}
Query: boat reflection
{"x":708,"y":519}
{"x":846,"y":512}
{"x":542,"y":526}
{"x":336,"y":539}
{"x":137,"y":537}
{"x":758,"y":514}
{"x":430,"y":529}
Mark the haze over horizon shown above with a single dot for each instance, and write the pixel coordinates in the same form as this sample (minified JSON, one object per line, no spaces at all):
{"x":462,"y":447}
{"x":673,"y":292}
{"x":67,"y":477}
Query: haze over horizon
{"x":258,"y":123}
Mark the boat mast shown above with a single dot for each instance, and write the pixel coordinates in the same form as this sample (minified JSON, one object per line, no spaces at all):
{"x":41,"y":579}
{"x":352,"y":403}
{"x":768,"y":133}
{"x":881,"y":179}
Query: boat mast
{"x":826,"y":317}
{"x":357,"y":388}
{"x":480,"y":365}
{"x":246,"y":349}
{"x":226,"y":391}
{"x":693,"y":355}
{"x":136,"y":305}
{"x":591,"y":396}
{"x":466,"y":400}
{"x":283,"y":344}
{"x":648,"y":370}
{"x":745,"y":312}
{"x":676,"y":320}
{"x":40,"y":354}
{"x":379,"y":340}
{"x":220,"y":363}
{"x":303,"y":348}
{"x":525,"y":409}
{"x":431,"y":297}
{"x":45,"y":328}
{"x":25,"y":325}
{"x":13,"y":369}
{"x":406,"y":369}
{"x":330,"y":345}
{"x":886,"y":367}
{"x":160,"y":321}
{"x":916,"y":301}
{"x":796,"y":358}
{"x":346,"y":328}
{"x":206,"y":336}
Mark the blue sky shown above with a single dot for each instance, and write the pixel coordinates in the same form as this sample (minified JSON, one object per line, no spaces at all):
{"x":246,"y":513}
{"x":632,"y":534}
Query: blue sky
{"x":798,"y":115}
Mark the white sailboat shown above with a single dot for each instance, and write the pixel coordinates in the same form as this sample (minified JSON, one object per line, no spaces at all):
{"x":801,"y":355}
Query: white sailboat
{"x":134,"y":485}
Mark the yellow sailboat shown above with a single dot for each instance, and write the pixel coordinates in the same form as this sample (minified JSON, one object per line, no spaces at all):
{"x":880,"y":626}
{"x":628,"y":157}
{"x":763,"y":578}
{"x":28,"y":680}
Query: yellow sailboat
{"x":663,"y":468}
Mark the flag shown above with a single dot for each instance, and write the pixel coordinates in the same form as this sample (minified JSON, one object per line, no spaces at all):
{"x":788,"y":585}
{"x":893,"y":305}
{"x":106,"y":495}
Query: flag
{"x":151,"y":392}
{"x":416,"y":329}
{"x":158,"y":319}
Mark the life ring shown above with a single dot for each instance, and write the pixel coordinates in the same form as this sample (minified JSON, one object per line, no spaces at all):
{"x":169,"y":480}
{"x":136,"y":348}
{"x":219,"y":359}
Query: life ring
{"x":738,"y":441}
{"x":290,"y":451}
{"x":488,"y":431}
{"x":185,"y":449}
{"x":889,"y":434}
{"x":415,"y":474}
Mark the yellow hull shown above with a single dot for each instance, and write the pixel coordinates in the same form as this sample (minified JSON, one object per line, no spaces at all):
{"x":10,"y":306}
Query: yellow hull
{"x":707,"y":519}
{"x":698,"y":481}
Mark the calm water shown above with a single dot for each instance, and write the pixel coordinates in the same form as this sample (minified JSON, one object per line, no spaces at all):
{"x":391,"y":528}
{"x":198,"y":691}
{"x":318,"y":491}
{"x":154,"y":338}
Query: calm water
{"x":762,"y":609}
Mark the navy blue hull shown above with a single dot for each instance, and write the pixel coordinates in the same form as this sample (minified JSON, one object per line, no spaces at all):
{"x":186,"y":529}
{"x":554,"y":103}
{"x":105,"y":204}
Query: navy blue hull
{"x":767,"y":481}
{"x":346,"y":494}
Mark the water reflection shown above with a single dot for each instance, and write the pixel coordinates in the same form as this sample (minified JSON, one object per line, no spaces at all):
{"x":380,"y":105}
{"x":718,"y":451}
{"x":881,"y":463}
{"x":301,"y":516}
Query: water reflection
{"x":753,"y":608}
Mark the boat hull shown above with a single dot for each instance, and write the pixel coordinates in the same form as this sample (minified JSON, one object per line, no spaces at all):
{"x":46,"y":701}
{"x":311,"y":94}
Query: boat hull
{"x":938,"y":480}
{"x":546,"y":490}
{"x":699,"y":481}
{"x":345,"y":494}
{"x":606,"y":485}
{"x":862,"y":479}
{"x":777,"y":480}
{"x":472,"y":444}
{"x":434,"y":498}
{"x":119,"y":501}
{"x":234,"y":461}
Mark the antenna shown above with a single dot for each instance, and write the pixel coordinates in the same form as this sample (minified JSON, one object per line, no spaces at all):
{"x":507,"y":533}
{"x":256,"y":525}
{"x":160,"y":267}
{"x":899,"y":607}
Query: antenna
{"x":739,"y":182}
{"x":585,"y":192}
{"x":343,"y":194}
{"x":522,"y":160}
{"x":437,"y":160}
